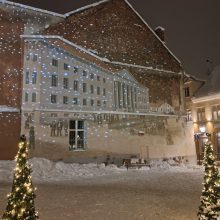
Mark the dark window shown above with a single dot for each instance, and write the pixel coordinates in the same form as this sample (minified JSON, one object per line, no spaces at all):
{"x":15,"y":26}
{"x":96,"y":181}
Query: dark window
{"x":27,"y":77}
{"x":54,"y":62}
{"x":104,"y":92}
{"x":34,"y":78}
{"x":75,"y":69}
{"x":35,"y":57}
{"x":98,"y":78}
{"x":26,"y":97}
{"x":84,"y":102}
{"x":98,"y":90}
{"x":91,"y":75}
{"x":65,"y":83}
{"x":91,"y":89}
{"x":65,"y":100}
{"x":66,"y":66}
{"x":187,"y":94}
{"x":76,"y":85}
{"x":75,"y":101}
{"x":92,"y":102}
{"x":84,"y":73}
{"x":98,"y":103}
{"x":84,"y":87}
{"x":34,"y":97}
{"x":54,"y":80}
{"x":53,"y":99}
{"x":104,"y":80}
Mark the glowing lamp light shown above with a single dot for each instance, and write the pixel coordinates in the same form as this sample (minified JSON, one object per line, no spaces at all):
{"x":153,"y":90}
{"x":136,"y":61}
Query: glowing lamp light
{"x":202,"y":129}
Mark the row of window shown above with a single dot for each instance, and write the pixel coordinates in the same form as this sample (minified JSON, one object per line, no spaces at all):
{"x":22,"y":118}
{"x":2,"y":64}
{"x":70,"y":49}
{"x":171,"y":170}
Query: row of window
{"x":67,"y":67}
{"x":33,"y":97}
{"x":75,"y":101}
{"x":30,"y":78}
{"x":215,"y":113}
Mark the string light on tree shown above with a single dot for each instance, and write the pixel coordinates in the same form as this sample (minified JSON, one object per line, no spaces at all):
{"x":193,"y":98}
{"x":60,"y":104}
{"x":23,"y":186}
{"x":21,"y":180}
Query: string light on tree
{"x":210,"y":199}
{"x":21,"y":199}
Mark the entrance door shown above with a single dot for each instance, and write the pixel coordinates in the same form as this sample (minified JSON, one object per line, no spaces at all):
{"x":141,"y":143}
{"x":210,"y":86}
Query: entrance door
{"x":76,"y":134}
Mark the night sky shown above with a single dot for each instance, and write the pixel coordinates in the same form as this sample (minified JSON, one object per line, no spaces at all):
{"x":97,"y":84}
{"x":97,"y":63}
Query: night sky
{"x":192,"y":26}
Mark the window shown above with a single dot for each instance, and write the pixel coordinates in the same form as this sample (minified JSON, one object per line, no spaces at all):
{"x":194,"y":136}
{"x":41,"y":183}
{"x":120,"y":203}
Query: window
{"x":75,"y":101}
{"x":34,"y":97}
{"x":28,"y":56}
{"x":84,"y":102}
{"x":34,"y":77}
{"x":98,"y":90}
{"x":91,"y":89}
{"x":92,"y":102}
{"x":104,"y":103}
{"x":84,"y":87}
{"x":104,"y":80}
{"x":187,"y":92}
{"x":76,"y":85}
{"x":65,"y":83}
{"x":84,"y":73}
{"x":75,"y":69}
{"x":77,"y":135}
{"x":54,"y":62}
{"x":54,"y":80}
{"x":35,"y":57}
{"x":104,"y":92}
{"x":27,"y":77}
{"x":98,"y":103}
{"x":98,"y":78}
{"x":53,"y":99}
{"x":91,"y":75}
{"x":26,"y":97}
{"x":201,"y":114}
{"x":66,"y":66}
{"x":216,"y":112}
{"x":65,"y":100}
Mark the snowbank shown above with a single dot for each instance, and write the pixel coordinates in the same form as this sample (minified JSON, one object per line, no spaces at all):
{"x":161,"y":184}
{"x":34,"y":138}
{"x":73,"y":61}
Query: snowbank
{"x":46,"y":170}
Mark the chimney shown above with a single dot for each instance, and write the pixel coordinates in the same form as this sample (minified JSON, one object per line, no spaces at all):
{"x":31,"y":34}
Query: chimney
{"x":160,"y":32}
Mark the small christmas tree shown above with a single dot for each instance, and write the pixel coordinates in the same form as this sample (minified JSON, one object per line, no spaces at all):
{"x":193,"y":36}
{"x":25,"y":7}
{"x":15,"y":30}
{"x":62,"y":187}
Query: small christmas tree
{"x":210,"y":199}
{"x":21,"y":199}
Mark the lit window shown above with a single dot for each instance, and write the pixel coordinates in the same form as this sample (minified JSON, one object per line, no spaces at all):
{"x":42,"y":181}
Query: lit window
{"x":77,"y":139}
{"x":54,"y":99}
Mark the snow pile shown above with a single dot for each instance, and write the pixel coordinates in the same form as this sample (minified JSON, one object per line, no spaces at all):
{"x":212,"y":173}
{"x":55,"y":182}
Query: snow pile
{"x":46,"y":170}
{"x":4,"y":108}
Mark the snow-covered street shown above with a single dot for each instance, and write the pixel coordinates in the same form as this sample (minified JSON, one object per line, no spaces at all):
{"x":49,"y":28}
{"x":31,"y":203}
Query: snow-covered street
{"x":98,"y":192}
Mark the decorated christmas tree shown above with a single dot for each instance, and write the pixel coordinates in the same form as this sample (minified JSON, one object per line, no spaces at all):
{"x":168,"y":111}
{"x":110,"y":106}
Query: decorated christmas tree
{"x":21,"y":199}
{"x":210,"y":199}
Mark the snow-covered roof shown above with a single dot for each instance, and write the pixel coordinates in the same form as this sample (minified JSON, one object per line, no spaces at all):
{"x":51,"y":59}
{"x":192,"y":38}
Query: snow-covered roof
{"x":85,"y":7}
{"x":4,"y":108}
{"x":32,"y":8}
{"x":212,"y":85}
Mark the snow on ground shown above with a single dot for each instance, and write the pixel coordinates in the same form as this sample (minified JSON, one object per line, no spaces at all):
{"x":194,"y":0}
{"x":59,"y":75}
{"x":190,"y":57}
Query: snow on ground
{"x":46,"y":170}
{"x":96,"y":192}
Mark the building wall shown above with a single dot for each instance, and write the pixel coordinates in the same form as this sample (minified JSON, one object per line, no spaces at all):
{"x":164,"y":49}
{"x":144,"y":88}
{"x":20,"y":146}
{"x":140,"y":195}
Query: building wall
{"x":117,"y":135}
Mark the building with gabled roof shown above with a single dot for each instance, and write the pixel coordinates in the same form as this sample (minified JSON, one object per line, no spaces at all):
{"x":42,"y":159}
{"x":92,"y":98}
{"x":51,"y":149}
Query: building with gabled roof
{"x":89,"y":80}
